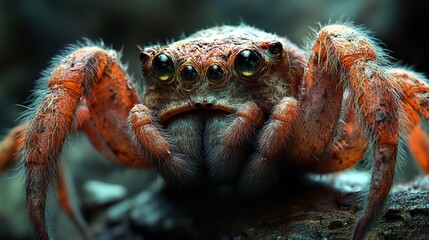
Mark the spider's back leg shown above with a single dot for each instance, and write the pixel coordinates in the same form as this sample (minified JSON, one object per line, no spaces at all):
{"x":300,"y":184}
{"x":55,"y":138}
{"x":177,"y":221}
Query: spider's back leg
{"x":415,"y":100}
{"x":10,"y":146}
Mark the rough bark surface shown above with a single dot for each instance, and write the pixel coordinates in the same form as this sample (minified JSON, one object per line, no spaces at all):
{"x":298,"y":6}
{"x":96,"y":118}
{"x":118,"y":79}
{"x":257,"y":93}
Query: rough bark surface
{"x":298,"y":209}
{"x":327,"y":213}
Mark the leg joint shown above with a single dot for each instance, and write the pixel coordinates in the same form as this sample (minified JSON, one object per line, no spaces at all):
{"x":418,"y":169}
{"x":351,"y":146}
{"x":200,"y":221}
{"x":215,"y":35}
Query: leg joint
{"x":346,"y":44}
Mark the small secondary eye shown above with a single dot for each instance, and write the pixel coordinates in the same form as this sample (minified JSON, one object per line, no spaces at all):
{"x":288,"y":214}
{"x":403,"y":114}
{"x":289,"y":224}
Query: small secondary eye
{"x":275,"y":48}
{"x":144,"y":57}
{"x":247,"y":63}
{"x":189,"y":74}
{"x":214,"y":73}
{"x":163,"y":67}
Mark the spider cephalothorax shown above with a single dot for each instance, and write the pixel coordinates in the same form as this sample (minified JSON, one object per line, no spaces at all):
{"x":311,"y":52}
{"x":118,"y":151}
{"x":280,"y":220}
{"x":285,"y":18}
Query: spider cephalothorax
{"x":234,"y":103}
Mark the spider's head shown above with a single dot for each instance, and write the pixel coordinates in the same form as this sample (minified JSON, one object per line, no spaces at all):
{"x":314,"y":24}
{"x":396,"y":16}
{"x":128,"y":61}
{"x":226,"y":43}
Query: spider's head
{"x":216,"y":69}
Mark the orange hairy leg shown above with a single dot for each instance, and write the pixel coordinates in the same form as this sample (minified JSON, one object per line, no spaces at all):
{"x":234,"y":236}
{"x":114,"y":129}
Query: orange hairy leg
{"x":11,"y":145}
{"x":154,"y":145}
{"x":346,"y":149}
{"x":415,"y":96}
{"x":65,"y":203}
{"x":263,"y":168}
{"x":147,"y":134}
{"x":348,"y":53}
{"x":350,"y":144}
{"x":51,"y":125}
{"x":319,"y":110}
{"x":418,"y":142}
{"x":9,"y":151}
{"x":89,"y":78}
{"x":110,"y":103}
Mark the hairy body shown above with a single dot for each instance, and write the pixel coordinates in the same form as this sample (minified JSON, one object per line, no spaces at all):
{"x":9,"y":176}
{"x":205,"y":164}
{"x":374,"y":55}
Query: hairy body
{"x":233,"y":102}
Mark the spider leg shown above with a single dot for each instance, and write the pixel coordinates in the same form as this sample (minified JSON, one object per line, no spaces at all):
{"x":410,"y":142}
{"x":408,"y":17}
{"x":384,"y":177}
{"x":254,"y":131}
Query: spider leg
{"x":264,"y":165}
{"x":318,"y":114}
{"x":350,"y":144}
{"x":175,"y":161}
{"x":9,"y":150}
{"x":88,"y":78}
{"x":11,"y":145}
{"x":415,"y":97}
{"x":348,"y":52}
{"x":66,"y":205}
{"x":418,"y":143}
{"x":347,"y":148}
{"x":227,"y":151}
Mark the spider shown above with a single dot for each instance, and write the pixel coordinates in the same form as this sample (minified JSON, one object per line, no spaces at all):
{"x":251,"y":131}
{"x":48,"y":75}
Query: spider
{"x":233,"y":103}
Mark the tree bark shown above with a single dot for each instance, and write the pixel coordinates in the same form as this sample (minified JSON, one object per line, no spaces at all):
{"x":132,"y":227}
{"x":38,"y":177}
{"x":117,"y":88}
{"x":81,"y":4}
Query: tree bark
{"x":296,"y":209}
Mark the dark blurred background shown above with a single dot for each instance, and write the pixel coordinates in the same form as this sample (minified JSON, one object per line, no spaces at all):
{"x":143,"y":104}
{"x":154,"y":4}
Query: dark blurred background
{"x":32,"y":32}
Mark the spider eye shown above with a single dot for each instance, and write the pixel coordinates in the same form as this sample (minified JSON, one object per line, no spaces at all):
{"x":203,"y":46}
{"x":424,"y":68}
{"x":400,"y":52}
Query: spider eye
{"x":144,"y":57}
{"x":189,"y":74}
{"x":247,"y":63}
{"x":163,"y":67}
{"x":215,"y":73}
{"x":275,"y":48}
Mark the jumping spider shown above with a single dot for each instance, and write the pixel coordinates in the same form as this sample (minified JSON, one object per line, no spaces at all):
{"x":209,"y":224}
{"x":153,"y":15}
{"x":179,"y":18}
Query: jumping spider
{"x":230,"y":102}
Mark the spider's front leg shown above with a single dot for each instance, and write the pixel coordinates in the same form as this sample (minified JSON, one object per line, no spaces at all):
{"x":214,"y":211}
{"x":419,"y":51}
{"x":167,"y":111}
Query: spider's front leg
{"x":88,"y":89}
{"x":10,"y":147}
{"x":350,"y":56}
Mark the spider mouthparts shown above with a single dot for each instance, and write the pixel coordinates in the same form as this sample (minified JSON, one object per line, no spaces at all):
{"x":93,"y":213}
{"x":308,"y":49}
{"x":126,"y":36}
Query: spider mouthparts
{"x":193,"y":104}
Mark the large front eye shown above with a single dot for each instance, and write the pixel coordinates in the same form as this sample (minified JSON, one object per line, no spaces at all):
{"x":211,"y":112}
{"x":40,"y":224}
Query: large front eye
{"x":247,"y":63}
{"x":163,"y":67}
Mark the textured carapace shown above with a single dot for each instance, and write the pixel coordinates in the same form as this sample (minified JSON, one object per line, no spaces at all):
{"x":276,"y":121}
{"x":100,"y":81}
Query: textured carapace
{"x":273,"y":78}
